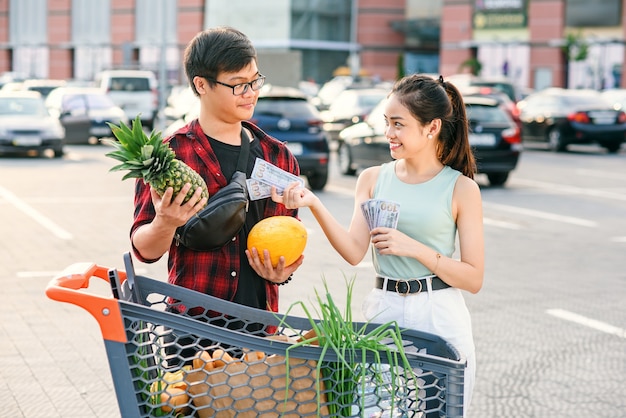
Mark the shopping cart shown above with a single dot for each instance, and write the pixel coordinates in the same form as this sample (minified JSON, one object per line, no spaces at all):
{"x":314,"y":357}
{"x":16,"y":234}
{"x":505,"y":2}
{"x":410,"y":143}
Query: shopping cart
{"x":174,"y":351}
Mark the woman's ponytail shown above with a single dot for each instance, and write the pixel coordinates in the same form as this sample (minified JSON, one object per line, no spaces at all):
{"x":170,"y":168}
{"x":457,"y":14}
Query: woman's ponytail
{"x":455,"y":149}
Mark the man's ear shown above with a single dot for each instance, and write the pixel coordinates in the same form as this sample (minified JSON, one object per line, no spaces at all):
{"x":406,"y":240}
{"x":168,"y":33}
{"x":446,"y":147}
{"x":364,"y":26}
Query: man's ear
{"x":201,"y":84}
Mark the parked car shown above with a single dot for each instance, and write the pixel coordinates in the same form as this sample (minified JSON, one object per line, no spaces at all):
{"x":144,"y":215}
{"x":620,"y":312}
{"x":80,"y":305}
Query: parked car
{"x":26,"y":125}
{"x":364,"y":144}
{"x":504,"y":84}
{"x":494,"y":93}
{"x":287,"y":115}
{"x":330,"y":90}
{"x":494,"y":137}
{"x":135,"y":91}
{"x":616,"y":97}
{"x":43,"y":86}
{"x":559,"y":117}
{"x":349,"y":107}
{"x":178,"y":103}
{"x":85,"y":113}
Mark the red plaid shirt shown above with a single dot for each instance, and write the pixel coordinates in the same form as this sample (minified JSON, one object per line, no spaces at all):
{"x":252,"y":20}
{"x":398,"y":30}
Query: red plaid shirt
{"x":212,"y":272}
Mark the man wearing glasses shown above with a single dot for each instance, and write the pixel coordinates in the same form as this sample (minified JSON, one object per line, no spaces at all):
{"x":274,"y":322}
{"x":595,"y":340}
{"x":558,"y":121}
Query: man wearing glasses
{"x":221,"y":65}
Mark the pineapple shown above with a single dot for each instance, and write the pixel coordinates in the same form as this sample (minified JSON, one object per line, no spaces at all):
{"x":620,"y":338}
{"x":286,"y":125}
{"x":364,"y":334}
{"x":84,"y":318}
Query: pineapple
{"x":152,"y":160}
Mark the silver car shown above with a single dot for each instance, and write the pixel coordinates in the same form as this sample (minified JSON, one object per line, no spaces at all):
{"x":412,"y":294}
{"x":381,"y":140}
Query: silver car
{"x":26,"y":126}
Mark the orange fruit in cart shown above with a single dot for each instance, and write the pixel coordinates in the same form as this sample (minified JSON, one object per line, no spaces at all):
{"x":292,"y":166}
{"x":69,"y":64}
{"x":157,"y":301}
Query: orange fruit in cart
{"x":281,"y":236}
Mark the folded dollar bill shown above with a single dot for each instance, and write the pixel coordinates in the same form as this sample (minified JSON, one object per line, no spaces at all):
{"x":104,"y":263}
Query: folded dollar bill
{"x":265,"y":175}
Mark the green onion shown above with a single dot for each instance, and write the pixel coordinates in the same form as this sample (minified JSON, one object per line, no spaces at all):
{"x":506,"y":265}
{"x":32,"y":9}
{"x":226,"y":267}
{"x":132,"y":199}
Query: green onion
{"x":351,"y":345}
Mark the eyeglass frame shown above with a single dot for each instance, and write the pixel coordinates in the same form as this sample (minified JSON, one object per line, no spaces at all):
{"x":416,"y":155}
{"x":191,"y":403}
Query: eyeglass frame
{"x":247,"y":85}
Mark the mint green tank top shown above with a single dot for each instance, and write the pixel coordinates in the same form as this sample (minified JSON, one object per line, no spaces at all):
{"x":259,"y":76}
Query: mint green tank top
{"x":425,"y":215}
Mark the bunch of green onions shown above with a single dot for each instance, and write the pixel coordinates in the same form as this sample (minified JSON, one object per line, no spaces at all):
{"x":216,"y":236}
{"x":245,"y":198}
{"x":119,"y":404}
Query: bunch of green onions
{"x":352,"y":344}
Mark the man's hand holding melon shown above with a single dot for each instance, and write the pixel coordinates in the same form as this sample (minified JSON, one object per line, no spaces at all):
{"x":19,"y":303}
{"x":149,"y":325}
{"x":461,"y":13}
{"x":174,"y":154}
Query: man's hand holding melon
{"x":275,"y":246}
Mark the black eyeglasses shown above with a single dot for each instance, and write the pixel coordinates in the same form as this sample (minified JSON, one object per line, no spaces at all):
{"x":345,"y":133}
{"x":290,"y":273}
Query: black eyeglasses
{"x":239,"y":89}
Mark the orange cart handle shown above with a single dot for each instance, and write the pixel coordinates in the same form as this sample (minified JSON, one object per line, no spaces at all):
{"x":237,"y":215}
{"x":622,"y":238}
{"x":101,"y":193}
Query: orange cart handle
{"x":66,"y":287}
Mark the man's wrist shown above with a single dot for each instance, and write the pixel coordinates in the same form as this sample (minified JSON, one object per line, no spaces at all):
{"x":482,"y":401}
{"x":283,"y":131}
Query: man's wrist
{"x":286,"y":281}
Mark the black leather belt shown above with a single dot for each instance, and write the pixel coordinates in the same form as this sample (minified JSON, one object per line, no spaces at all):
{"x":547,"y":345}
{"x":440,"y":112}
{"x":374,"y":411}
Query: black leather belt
{"x":409,"y":286}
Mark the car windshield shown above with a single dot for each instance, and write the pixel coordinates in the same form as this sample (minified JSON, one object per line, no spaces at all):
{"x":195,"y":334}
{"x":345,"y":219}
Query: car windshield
{"x":130,"y":84}
{"x":287,"y":108}
{"x":480,"y":113}
{"x":22,"y":106}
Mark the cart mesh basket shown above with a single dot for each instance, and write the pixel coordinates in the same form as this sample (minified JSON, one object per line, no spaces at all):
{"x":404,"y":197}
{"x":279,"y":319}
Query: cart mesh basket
{"x":176,"y":352}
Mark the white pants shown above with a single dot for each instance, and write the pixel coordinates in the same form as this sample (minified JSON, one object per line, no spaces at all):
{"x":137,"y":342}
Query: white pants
{"x":441,"y":312}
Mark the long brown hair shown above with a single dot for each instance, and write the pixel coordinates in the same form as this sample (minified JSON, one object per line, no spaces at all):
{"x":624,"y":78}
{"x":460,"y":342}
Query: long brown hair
{"x":428,"y":99}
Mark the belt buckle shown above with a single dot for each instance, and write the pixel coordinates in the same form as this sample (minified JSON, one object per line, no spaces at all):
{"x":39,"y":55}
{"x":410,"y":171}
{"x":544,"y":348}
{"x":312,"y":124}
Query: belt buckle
{"x":408,"y":287}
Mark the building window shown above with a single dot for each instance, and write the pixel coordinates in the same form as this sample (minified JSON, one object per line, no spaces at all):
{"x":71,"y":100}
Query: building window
{"x":581,"y":13}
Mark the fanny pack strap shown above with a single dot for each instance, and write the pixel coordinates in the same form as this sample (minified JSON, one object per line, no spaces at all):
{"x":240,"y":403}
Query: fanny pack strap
{"x":242,"y":162}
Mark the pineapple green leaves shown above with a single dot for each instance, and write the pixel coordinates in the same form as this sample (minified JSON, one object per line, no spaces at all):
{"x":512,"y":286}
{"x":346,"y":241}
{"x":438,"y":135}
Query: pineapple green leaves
{"x":151,"y":159}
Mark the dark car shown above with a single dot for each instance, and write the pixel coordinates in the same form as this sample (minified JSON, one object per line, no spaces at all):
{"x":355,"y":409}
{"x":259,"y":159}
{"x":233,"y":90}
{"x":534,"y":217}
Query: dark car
{"x":494,"y":138}
{"x":287,"y":115}
{"x":559,"y":117}
{"x":86,"y":111}
{"x":26,"y":125}
{"x":494,"y":93}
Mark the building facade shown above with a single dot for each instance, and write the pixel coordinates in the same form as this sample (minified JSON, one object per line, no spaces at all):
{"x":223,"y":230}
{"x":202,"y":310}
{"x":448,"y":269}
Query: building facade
{"x":537,"y":43}
{"x":296,"y":39}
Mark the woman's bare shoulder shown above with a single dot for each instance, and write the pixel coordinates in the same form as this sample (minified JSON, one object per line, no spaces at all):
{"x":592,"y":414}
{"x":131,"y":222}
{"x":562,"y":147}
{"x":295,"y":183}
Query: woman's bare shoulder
{"x":467,"y":189}
{"x":367,"y":180}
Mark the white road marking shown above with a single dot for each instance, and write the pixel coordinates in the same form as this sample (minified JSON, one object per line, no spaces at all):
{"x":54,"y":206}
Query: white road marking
{"x":501,"y":224}
{"x":34,"y":214}
{"x":600,"y":174}
{"x":527,"y":212}
{"x":588,"y":322}
{"x":544,"y":215}
{"x":562,"y":188}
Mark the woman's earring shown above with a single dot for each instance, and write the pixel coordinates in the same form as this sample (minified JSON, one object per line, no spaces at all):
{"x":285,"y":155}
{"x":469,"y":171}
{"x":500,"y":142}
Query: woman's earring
{"x":429,"y":136}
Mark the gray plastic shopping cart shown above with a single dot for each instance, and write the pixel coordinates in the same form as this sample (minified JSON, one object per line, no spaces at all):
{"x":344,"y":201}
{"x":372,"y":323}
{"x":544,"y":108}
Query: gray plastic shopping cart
{"x":176,"y":352}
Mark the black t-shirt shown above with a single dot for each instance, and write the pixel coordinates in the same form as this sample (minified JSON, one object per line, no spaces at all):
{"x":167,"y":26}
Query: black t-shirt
{"x":251,"y":287}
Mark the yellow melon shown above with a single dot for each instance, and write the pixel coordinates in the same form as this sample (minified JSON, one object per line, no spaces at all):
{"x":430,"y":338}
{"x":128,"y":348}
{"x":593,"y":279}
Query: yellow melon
{"x":281,"y":236}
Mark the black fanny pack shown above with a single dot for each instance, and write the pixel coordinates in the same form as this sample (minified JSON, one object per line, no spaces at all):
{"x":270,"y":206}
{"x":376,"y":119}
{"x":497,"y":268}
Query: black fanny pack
{"x":225,"y":213}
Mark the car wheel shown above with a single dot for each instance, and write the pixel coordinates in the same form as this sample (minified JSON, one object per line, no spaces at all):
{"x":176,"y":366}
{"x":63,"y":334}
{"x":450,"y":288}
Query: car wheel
{"x":612,"y":147}
{"x":318,"y":180}
{"x":345,"y":160}
{"x":58,"y":152}
{"x":497,"y":179}
{"x":555,"y":141}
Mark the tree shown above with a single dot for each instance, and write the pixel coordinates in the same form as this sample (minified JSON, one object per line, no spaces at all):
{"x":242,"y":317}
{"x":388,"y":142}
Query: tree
{"x":472,"y":64}
{"x":575,"y":48}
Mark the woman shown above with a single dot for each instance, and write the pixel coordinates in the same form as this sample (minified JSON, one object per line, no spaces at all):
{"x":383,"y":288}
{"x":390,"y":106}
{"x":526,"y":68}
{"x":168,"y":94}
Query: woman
{"x":418,"y":282}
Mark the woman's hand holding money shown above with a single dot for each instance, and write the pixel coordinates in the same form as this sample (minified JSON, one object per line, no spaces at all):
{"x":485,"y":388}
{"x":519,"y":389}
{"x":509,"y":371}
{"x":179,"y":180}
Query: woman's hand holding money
{"x":294,"y":196}
{"x":393,"y":242}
